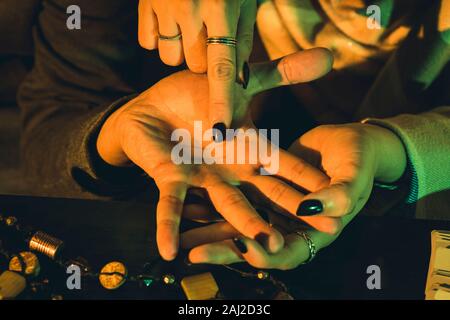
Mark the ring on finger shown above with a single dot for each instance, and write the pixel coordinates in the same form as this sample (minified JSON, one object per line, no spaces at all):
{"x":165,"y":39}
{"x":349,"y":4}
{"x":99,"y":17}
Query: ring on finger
{"x":169,"y":38}
{"x":228,"y":41}
{"x":310,"y":243}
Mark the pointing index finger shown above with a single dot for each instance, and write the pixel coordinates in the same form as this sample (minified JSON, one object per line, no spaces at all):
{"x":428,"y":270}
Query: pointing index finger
{"x":221,"y":58}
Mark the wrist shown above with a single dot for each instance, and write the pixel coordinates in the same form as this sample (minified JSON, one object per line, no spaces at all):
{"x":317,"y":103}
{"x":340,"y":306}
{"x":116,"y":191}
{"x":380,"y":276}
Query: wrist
{"x":391,"y":157}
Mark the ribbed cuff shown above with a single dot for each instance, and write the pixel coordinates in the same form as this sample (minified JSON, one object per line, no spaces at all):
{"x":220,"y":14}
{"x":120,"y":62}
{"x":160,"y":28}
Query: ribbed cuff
{"x":409,"y":177}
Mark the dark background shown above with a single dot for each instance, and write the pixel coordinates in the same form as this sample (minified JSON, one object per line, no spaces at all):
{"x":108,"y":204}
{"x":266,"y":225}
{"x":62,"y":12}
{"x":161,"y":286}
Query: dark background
{"x":102,"y":232}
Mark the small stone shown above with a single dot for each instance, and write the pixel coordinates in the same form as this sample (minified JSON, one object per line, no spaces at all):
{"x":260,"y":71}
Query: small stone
{"x":148,"y":282}
{"x":30,"y":262}
{"x":262,"y":275}
{"x":113,"y":275}
{"x":168,"y":279}
{"x":10,"y":221}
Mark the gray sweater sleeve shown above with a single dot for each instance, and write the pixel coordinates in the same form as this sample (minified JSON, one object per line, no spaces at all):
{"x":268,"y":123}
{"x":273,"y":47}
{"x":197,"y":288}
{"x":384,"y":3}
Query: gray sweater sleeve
{"x":78,"y":79}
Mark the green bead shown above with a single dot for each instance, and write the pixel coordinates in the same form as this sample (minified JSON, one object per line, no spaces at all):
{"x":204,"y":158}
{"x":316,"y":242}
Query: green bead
{"x":168,"y":279}
{"x":148,"y":282}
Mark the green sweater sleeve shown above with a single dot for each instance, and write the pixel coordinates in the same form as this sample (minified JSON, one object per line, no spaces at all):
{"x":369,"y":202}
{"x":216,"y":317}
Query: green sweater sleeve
{"x":426,"y":138}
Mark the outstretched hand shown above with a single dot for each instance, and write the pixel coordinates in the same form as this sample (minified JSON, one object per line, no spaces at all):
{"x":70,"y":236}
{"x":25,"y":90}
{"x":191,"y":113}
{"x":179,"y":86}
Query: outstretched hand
{"x":353,"y":156}
{"x":140,"y":133}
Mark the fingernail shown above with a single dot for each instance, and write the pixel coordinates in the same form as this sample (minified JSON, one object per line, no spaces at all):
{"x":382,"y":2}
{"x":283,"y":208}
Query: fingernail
{"x":309,"y":207}
{"x":246,"y":75}
{"x":239,"y":243}
{"x":263,"y":239}
{"x":219,"y":131}
{"x":263,"y":213}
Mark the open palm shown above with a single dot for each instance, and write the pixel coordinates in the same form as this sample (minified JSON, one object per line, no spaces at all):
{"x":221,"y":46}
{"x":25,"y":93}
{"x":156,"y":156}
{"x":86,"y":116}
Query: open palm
{"x":140,"y":132}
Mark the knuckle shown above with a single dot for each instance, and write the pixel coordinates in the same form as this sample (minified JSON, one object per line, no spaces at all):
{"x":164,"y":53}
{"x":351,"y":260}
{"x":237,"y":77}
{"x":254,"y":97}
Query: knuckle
{"x":171,"y":200}
{"x":223,"y":71}
{"x":297,"y":171}
{"x":231,"y":200}
{"x":167,"y":223}
{"x":197,"y":66}
{"x":277,"y":192}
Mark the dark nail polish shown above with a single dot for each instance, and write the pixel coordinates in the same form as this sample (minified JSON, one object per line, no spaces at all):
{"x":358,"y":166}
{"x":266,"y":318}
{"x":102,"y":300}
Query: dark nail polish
{"x":246,"y":75}
{"x":240,"y":245}
{"x":263,"y":239}
{"x":309,"y":208}
{"x":264,"y":214}
{"x":219,"y":131}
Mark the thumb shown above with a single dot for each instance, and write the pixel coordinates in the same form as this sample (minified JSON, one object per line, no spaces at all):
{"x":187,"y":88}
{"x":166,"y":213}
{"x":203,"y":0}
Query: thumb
{"x":302,"y":66}
{"x":343,"y":198}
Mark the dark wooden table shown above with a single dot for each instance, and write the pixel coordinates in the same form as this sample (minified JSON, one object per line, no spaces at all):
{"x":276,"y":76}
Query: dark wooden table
{"x":105,"y":231}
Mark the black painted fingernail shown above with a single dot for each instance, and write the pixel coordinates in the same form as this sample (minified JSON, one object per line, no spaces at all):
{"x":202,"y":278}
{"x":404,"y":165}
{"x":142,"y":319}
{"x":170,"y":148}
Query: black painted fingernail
{"x":246,"y":75}
{"x":263,"y":239}
{"x":309,"y":208}
{"x":264,"y":214}
{"x":219,"y":131}
{"x":240,"y":245}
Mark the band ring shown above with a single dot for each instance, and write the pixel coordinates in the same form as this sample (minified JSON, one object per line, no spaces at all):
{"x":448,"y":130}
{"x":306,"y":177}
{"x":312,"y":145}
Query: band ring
{"x":169,"y":38}
{"x":310,"y":243}
{"x":228,"y":41}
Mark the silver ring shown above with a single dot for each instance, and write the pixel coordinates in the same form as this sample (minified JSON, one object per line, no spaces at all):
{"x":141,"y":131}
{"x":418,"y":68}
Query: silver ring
{"x":228,"y":41}
{"x":310,"y":243}
{"x":169,"y":38}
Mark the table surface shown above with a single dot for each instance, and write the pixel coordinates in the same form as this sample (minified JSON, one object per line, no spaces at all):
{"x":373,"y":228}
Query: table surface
{"x":104,"y":231}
